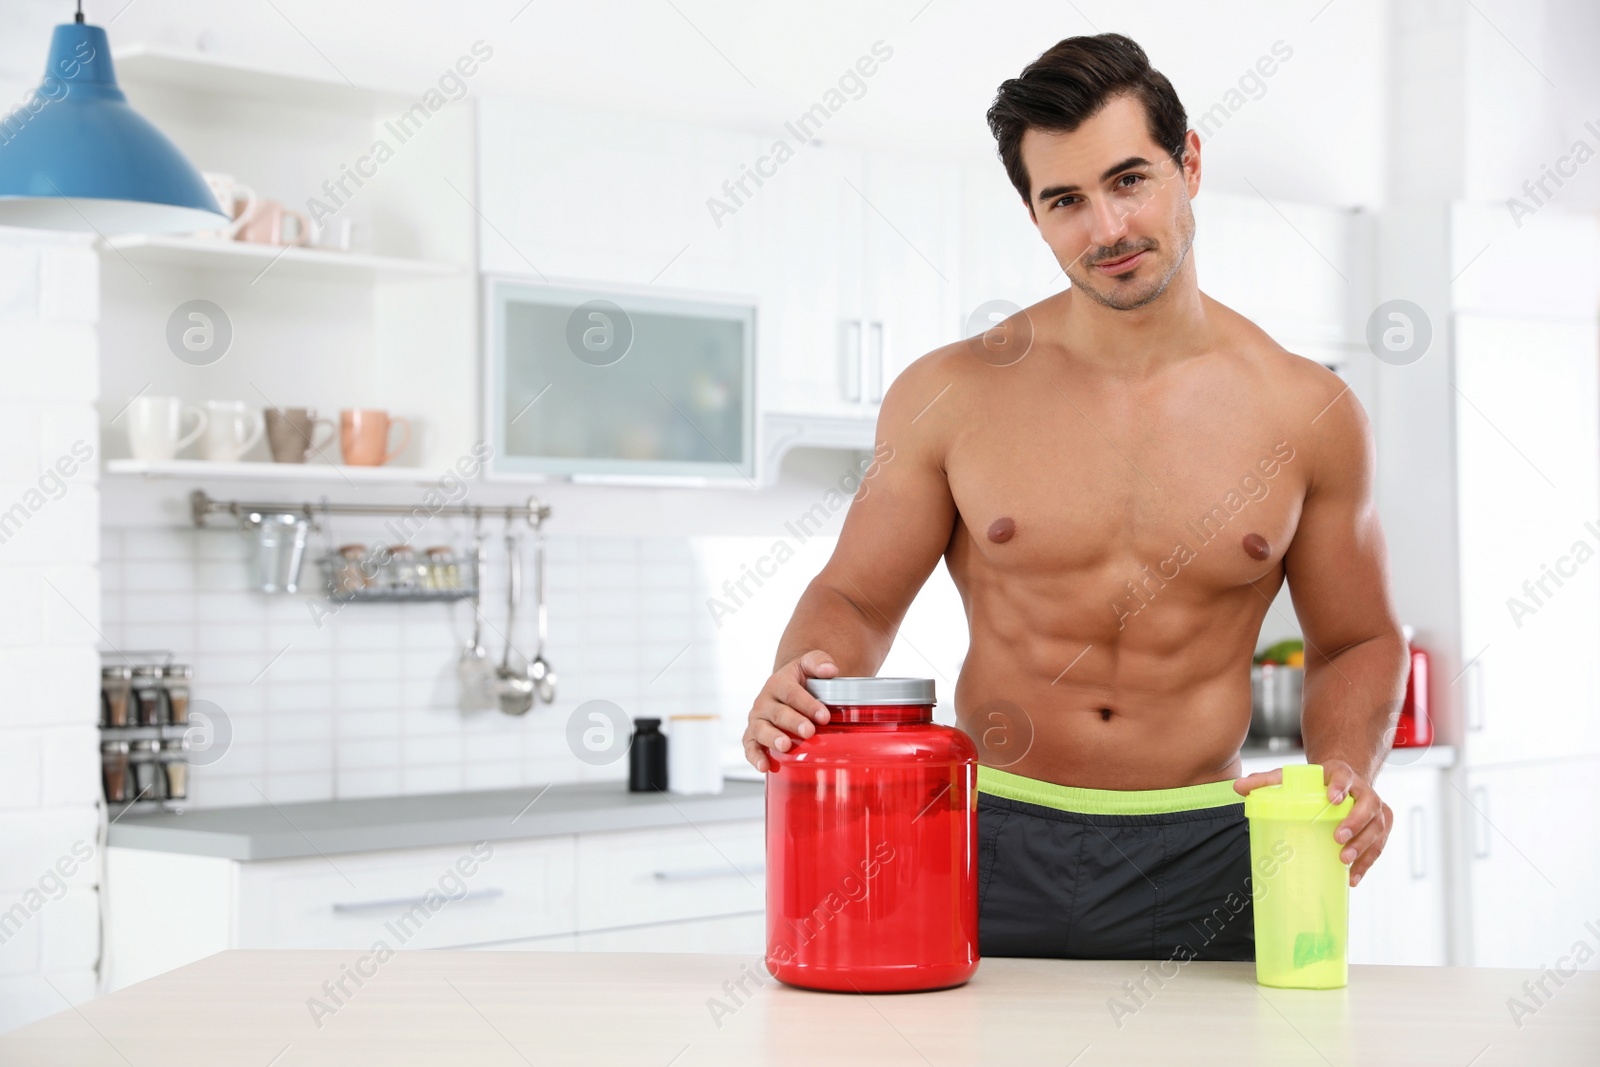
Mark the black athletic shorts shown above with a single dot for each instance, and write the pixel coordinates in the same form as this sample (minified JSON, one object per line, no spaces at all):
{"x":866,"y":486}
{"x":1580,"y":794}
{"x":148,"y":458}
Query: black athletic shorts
{"x":1073,"y":873}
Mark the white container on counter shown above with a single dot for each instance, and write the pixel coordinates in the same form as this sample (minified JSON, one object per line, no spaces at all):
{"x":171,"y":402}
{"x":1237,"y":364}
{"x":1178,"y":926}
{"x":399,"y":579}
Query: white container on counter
{"x":694,"y":754}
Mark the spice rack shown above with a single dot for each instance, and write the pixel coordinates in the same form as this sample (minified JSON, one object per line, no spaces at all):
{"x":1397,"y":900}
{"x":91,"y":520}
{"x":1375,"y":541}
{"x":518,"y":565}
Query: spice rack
{"x":346,"y":580}
{"x":385,"y":574}
{"x":144,"y":727}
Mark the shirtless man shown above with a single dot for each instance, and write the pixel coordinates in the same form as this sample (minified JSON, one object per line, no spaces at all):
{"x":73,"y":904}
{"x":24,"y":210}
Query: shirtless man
{"x":1118,"y":508}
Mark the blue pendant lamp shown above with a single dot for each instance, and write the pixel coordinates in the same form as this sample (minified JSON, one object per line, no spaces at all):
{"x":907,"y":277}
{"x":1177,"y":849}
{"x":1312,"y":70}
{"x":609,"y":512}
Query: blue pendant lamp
{"x":77,"y":157}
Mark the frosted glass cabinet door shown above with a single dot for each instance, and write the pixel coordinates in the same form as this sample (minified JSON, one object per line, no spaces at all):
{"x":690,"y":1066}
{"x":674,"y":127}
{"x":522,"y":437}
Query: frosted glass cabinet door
{"x":612,"y":384}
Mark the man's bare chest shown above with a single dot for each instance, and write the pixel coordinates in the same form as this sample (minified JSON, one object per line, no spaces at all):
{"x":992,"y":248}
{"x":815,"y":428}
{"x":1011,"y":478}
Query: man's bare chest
{"x":1211,"y":495}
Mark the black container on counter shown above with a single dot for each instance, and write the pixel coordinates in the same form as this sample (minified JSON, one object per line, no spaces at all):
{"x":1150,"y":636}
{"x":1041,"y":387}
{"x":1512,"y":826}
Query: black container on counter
{"x":647,"y":757}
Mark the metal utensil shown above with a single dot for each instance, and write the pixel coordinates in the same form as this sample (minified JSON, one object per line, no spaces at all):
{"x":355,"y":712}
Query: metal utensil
{"x":513,"y":687}
{"x":540,"y":671}
{"x":277,"y":549}
{"x":1276,"y":704}
{"x":475,"y":671}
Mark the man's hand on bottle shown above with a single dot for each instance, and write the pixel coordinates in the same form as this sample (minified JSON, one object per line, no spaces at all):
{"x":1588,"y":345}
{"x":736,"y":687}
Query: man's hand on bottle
{"x":784,"y":710}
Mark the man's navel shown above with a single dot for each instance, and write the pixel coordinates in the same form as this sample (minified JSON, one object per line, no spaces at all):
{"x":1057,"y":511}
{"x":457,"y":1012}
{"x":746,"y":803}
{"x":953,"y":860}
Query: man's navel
{"x":1256,"y":547}
{"x":1002,"y":529}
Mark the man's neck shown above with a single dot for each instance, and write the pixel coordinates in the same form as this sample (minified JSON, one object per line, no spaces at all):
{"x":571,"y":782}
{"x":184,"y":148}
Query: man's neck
{"x":1139,"y":343}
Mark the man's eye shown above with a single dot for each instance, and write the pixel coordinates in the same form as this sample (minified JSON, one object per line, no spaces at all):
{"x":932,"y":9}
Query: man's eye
{"x":1135,"y":177}
{"x":1063,"y":200}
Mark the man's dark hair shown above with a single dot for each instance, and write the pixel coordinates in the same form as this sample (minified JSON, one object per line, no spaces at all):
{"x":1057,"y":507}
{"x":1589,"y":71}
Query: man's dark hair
{"x":1073,"y":81}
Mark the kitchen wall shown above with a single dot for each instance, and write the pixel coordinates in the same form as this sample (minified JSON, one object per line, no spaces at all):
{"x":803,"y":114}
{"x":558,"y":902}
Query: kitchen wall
{"x":364,"y":703}
{"x":49,"y":611}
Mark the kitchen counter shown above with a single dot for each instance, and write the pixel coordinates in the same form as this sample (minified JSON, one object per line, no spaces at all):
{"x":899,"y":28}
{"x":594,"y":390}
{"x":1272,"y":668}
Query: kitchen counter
{"x":293,"y":831}
{"x":285,"y":831}
{"x":660,"y":1009}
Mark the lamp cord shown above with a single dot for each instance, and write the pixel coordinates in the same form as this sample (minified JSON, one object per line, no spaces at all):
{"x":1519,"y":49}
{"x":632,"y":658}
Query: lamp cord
{"x":78,"y":18}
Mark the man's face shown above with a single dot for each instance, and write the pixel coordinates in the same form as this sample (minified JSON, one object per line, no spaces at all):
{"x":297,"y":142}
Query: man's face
{"x":1112,"y":204}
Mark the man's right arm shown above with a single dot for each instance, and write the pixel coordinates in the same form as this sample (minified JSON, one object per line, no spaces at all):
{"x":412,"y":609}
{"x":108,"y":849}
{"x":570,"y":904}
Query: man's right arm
{"x":898,"y":526}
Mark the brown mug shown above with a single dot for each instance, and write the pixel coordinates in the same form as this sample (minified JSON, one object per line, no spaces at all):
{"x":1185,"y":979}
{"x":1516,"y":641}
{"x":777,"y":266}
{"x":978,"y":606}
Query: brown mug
{"x":291,"y":434}
{"x":364,"y":436}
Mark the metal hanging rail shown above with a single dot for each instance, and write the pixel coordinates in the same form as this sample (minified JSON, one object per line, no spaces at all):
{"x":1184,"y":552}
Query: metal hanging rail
{"x":201,"y":506}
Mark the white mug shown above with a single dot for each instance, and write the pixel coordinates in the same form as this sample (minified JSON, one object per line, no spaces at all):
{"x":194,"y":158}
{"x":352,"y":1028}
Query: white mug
{"x":335,"y":235}
{"x":155,"y":427}
{"x":228,"y":193}
{"x":233,"y":428}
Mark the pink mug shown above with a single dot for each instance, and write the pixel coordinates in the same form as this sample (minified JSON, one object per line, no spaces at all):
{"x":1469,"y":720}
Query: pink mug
{"x":274,"y":224}
{"x":364,"y":436}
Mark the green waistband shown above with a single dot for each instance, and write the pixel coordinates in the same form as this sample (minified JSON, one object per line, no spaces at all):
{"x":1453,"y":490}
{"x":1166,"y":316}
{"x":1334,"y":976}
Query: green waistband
{"x":1106,"y":801}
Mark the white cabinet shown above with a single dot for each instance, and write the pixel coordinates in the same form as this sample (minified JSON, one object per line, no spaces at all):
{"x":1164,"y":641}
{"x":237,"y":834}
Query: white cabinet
{"x":1003,"y":256}
{"x":809,"y":324}
{"x":678,"y":889}
{"x":1527,"y":411}
{"x":571,"y":193}
{"x":424,"y":898}
{"x":859,"y":255}
{"x":911,"y":251}
{"x":1529,"y":834}
{"x":1397,"y":913}
{"x":665,"y":875}
{"x":1303,"y":300}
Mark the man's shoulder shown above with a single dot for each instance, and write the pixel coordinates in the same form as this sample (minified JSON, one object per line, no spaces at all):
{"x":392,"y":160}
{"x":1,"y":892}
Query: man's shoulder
{"x":1297,"y":383}
{"x":931,"y":378}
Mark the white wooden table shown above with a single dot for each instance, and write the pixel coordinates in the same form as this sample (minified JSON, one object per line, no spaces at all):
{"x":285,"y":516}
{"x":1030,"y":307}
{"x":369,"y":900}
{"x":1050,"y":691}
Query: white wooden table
{"x":656,"y":1010}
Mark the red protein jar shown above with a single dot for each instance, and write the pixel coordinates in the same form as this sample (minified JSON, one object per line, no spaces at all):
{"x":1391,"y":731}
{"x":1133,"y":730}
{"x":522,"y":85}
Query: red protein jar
{"x":872,"y":845}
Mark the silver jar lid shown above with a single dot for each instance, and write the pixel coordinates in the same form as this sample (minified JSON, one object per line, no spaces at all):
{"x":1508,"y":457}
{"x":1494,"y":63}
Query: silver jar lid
{"x":870,"y":691}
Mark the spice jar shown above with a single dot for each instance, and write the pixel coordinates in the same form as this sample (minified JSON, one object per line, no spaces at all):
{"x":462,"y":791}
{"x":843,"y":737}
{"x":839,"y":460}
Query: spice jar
{"x":351,"y":572}
{"x":116,"y":690}
{"x":144,"y":770}
{"x":441,"y":569}
{"x":872,"y":845}
{"x":400,"y":571}
{"x":174,"y":769}
{"x":114,"y":770}
{"x":150,"y":695}
{"x":176,"y":679}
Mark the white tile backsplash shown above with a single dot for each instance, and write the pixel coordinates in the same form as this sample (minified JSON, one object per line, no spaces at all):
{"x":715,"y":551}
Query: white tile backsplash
{"x":364,"y":704}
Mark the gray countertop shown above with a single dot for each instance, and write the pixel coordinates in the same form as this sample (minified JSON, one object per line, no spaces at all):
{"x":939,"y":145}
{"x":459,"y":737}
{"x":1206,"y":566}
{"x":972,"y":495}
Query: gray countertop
{"x":286,"y":831}
{"x":293,"y":831}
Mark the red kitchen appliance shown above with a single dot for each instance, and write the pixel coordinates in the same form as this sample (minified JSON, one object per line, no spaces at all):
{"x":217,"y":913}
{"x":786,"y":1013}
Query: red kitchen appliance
{"x":872,"y":845}
{"x":1414,"y":728}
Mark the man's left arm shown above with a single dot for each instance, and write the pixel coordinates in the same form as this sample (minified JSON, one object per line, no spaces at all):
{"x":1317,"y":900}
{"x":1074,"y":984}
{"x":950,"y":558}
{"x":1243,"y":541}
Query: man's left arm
{"x":1356,"y":659}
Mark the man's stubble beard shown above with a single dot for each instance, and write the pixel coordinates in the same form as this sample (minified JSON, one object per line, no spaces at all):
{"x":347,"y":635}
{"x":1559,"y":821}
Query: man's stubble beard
{"x":1138,"y":298}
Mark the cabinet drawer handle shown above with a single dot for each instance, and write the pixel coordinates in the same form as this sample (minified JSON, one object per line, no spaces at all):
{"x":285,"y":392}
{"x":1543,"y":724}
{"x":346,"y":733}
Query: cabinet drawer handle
{"x":850,"y":383}
{"x":875,"y":367}
{"x":700,"y":874}
{"x":345,"y":908}
{"x":1419,"y":843}
{"x":1477,"y":714}
{"x":1480,"y":846}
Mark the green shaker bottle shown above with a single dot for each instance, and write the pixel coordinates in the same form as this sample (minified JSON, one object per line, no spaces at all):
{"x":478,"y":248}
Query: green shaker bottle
{"x":1299,"y":886}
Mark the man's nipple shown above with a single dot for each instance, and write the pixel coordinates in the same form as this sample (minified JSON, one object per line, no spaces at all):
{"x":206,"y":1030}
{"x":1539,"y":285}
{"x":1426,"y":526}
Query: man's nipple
{"x":1256,"y":546}
{"x":1002,"y":529}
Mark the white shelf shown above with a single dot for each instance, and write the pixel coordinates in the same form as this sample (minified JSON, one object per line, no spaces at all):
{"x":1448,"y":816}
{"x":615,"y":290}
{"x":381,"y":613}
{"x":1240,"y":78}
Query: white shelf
{"x":267,"y":261}
{"x":191,"y":469}
{"x":211,"y":75}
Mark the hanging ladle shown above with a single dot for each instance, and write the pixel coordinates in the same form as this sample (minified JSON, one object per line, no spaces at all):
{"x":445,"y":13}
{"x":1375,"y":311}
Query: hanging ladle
{"x":513,"y":687}
{"x":540,"y":671}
